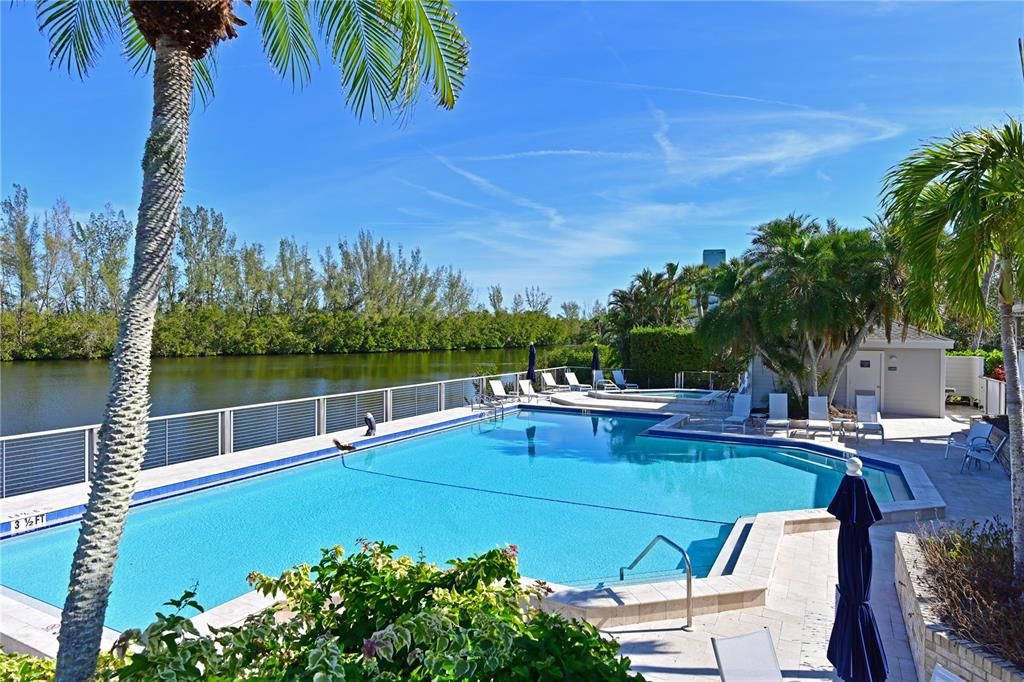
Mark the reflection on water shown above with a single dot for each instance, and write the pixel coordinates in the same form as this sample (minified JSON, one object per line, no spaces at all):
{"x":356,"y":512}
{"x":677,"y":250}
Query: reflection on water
{"x":35,"y":396}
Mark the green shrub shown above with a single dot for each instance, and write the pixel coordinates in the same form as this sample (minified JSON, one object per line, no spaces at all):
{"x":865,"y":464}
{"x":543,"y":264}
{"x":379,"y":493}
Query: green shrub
{"x":24,"y":668}
{"x":970,"y":571}
{"x":374,"y":616}
{"x":993,"y":358}
{"x":657,"y":353}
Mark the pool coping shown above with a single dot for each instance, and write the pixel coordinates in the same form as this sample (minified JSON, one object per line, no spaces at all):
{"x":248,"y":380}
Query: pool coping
{"x":605,"y":606}
{"x":649,"y":396}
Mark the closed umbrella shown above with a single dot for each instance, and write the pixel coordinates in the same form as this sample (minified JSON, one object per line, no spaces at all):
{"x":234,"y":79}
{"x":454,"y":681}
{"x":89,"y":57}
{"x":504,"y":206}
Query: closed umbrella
{"x":595,"y":361}
{"x":855,"y":647}
{"x":531,"y":369}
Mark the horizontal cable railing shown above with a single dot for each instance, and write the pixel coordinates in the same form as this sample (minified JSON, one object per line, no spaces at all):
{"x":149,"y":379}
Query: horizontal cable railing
{"x":31,"y":462}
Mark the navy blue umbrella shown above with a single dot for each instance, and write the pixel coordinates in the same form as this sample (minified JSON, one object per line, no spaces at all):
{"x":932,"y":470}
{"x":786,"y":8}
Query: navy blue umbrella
{"x":531,"y":369}
{"x":855,"y":647}
{"x":595,"y":361}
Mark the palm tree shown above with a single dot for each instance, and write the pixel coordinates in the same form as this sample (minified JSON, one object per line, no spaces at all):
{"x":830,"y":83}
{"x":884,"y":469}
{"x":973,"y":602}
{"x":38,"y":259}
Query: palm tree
{"x":957,"y":202}
{"x":384,"y":49}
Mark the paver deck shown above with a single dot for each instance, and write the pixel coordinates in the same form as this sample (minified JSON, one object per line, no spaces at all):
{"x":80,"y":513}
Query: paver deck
{"x":800,"y":602}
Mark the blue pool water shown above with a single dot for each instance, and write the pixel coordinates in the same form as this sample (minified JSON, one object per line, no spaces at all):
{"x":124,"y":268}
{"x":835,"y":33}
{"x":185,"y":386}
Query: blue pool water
{"x":579,"y":495}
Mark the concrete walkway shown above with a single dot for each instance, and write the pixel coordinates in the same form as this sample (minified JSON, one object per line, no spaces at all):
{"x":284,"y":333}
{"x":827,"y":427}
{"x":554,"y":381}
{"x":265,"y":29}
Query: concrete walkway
{"x":800,"y":603}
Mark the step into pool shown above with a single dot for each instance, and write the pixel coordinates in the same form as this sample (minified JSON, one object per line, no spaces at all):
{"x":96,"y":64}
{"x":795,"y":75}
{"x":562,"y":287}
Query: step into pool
{"x":580,"y":496}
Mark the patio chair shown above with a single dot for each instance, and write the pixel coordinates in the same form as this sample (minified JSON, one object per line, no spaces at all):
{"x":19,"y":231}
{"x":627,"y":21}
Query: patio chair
{"x":818,"y":417}
{"x":868,"y":419}
{"x":526,"y":390}
{"x":778,"y":413}
{"x":981,"y":450}
{"x":549,"y":385}
{"x":603,"y":384}
{"x":574,"y":384}
{"x":940,"y":674}
{"x":747,"y":658}
{"x":962,"y":441}
{"x":740,"y":413}
{"x":619,"y":377}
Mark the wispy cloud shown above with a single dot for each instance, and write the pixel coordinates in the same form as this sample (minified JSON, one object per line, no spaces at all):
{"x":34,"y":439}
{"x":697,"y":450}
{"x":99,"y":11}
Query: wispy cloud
{"x":538,"y":153}
{"x":441,"y":196}
{"x":692,"y":91}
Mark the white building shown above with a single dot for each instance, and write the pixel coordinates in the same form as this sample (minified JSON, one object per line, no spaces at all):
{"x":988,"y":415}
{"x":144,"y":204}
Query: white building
{"x":908,"y":375}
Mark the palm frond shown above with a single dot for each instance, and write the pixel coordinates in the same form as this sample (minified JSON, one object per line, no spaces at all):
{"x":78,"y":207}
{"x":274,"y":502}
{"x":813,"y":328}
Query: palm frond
{"x":433,"y":48}
{"x":78,"y":29}
{"x":288,"y":38}
{"x":140,"y":58}
{"x":362,"y":45}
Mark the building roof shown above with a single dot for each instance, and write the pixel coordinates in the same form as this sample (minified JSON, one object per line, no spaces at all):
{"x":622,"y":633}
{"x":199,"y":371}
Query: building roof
{"x":908,"y":337}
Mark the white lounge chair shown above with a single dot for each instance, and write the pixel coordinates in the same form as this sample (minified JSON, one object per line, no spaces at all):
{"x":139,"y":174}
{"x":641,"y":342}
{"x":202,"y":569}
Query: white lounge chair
{"x":619,"y":377}
{"x":603,"y":384}
{"x":747,"y":658}
{"x":526,"y":390}
{"x":498,"y":391}
{"x":740,"y":413}
{"x":778,"y":413}
{"x":549,"y":385}
{"x":961,"y":441}
{"x":818,"y":417}
{"x":868,"y":419}
{"x":574,"y":383}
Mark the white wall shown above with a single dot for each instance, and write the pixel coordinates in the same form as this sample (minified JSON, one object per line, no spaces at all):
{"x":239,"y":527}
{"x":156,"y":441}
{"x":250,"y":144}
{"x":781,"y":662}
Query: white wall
{"x":917,"y":387}
{"x":963,"y":373}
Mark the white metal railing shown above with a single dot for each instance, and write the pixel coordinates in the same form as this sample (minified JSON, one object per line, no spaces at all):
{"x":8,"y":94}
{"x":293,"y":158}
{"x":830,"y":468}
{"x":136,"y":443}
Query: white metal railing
{"x":48,"y":459}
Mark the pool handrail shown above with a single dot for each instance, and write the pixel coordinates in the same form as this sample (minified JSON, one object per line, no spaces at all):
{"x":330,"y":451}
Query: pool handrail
{"x":689,"y":570}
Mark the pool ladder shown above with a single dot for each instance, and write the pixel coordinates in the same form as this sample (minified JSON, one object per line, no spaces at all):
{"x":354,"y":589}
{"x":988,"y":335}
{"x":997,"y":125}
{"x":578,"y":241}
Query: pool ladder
{"x":689,"y":571}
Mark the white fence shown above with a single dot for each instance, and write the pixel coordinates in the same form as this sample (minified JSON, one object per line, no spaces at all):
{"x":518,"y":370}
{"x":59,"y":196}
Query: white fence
{"x":964,"y":375}
{"x":48,"y":459}
{"x":993,"y":396}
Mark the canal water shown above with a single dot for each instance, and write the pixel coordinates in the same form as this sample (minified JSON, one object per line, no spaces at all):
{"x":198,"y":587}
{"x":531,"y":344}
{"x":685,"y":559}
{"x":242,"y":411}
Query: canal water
{"x":36,"y":396}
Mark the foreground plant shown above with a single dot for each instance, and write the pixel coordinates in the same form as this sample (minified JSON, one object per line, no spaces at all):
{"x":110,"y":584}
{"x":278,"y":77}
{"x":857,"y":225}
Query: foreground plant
{"x":374,"y":616}
{"x":970,"y":571}
{"x":957,"y":203}
{"x":385,"y":49}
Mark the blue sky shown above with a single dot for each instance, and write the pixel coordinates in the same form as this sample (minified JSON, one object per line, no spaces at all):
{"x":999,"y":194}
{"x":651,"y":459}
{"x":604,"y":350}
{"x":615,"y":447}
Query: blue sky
{"x":592,"y":139}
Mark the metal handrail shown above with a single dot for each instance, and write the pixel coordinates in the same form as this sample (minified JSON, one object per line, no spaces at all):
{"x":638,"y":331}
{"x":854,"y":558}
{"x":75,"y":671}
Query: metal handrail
{"x":689,"y":571}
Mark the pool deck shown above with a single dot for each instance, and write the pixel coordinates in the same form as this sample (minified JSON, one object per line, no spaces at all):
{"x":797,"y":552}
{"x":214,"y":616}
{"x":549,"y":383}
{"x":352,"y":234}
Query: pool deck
{"x":791,"y":558}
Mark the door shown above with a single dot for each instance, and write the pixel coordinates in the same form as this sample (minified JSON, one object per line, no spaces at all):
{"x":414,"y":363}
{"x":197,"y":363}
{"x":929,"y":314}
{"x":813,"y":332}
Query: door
{"x":864,"y":377}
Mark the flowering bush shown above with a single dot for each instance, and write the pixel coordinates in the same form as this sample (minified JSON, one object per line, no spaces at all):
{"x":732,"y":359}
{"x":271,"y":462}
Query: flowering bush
{"x":999,"y":373}
{"x":374,"y":616}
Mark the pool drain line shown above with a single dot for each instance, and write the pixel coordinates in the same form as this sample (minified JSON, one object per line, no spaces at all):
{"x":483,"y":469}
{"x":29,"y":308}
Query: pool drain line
{"x":524,"y":496}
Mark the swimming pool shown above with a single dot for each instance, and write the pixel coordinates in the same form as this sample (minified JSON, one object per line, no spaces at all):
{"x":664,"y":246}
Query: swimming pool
{"x":580,"y":496}
{"x":661,"y":395}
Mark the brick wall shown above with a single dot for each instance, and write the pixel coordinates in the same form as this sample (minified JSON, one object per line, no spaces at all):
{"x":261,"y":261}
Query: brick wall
{"x":932,"y":642}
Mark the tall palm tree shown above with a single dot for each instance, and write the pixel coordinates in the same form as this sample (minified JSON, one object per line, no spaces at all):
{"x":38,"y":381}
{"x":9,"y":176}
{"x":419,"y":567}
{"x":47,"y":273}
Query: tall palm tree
{"x":384,"y":49}
{"x":957,"y":202}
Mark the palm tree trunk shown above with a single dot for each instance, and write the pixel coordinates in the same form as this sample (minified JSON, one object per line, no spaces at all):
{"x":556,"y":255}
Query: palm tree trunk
{"x":124,"y":430}
{"x":1014,"y":412}
{"x":812,"y":352}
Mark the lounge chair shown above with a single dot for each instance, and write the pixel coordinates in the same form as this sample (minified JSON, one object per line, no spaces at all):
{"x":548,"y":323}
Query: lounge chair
{"x":778,"y":413}
{"x":620,"y":380}
{"x":961,"y":441}
{"x":740,"y":413}
{"x":498,"y":391}
{"x":868,"y":419}
{"x":603,"y":384}
{"x":549,"y":385}
{"x":574,"y":384}
{"x":818,"y":417}
{"x":526,"y":390}
{"x":747,"y":658}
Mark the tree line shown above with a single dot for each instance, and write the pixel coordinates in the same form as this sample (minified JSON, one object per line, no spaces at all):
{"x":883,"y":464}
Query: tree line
{"x":63,"y":281}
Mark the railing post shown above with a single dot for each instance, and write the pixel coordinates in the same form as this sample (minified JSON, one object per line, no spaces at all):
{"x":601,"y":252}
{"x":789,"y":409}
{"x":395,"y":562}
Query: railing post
{"x":92,"y":442}
{"x":440,"y":396}
{"x":387,"y":405}
{"x":227,"y":431}
{"x":321,"y":416}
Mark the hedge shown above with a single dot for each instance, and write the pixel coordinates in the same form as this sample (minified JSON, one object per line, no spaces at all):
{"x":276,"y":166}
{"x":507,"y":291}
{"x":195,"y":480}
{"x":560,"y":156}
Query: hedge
{"x":657,"y":353}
